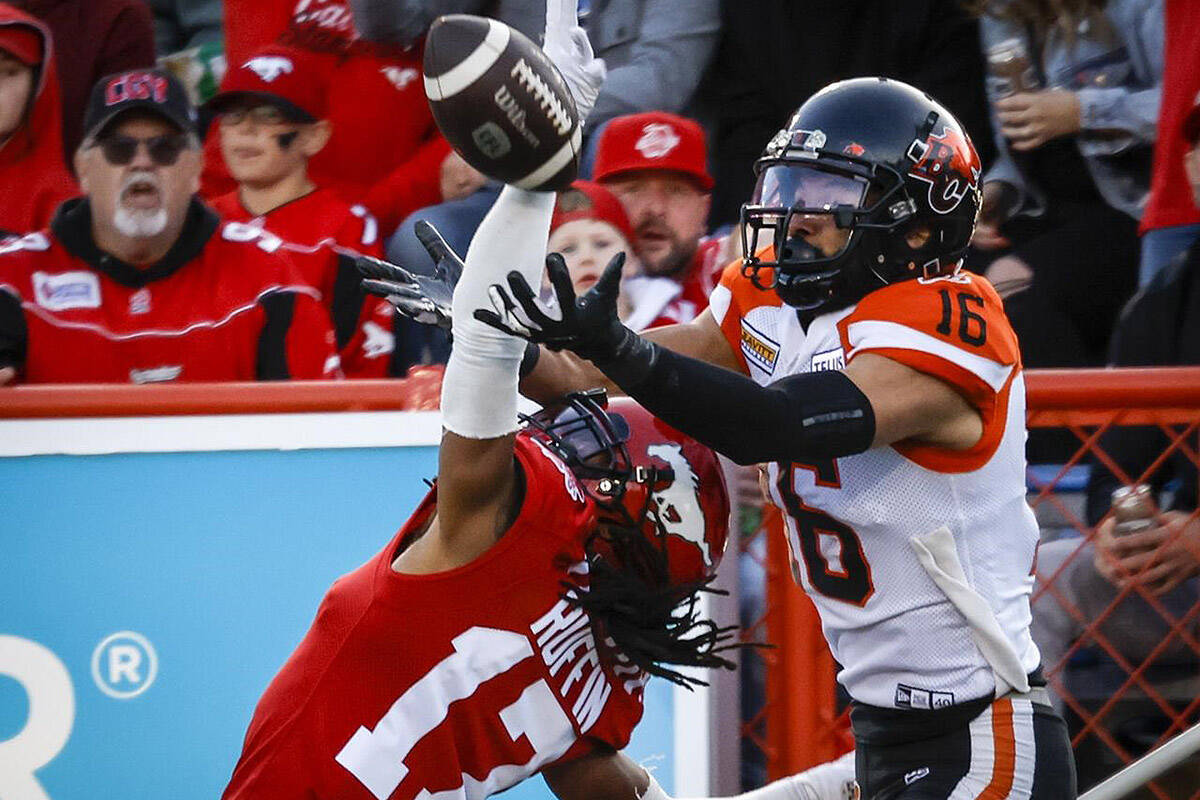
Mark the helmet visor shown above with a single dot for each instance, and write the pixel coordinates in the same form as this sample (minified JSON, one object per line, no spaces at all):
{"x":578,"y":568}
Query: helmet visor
{"x":801,"y":187}
{"x":586,"y":437}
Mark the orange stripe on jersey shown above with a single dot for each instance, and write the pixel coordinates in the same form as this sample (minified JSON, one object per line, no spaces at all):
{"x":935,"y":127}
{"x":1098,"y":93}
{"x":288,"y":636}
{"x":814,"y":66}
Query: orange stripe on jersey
{"x":951,"y":328}
{"x":1005,"y":752}
{"x":961,"y":310}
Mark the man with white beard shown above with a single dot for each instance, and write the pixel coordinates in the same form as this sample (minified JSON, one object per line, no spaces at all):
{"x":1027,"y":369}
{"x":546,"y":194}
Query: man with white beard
{"x":138,"y":281}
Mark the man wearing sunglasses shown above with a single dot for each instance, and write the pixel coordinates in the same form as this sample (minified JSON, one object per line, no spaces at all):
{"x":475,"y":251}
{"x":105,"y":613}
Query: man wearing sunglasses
{"x":137,"y":281}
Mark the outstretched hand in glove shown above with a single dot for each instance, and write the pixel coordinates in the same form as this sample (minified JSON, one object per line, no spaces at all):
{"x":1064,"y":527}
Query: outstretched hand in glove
{"x":566,"y":44}
{"x":587,"y":326}
{"x":421,"y":298}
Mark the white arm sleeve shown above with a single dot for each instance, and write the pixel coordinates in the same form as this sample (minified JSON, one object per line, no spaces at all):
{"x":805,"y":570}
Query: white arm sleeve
{"x":479,"y":391}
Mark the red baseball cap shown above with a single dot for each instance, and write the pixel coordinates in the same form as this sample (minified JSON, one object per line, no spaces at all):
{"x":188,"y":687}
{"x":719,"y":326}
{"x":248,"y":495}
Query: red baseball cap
{"x":654,"y":140}
{"x":587,"y":200}
{"x":22,"y":42}
{"x":284,"y":77}
{"x":1191,"y":122}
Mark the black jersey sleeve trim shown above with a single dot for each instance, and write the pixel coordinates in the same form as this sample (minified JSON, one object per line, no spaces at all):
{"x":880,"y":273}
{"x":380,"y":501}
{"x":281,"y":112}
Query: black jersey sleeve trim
{"x":347,"y":301}
{"x":14,"y":332}
{"x":278,"y":308}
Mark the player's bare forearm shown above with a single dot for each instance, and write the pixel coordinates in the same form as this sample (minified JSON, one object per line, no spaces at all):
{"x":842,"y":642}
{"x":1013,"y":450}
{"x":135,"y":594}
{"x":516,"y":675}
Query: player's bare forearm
{"x":607,"y":775}
{"x":558,"y":373}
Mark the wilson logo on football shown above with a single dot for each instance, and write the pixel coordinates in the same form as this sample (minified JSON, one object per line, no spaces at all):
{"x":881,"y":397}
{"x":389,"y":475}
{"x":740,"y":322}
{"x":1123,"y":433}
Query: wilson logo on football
{"x":657,"y":139}
{"x":270,"y":67}
{"x":942,"y":162}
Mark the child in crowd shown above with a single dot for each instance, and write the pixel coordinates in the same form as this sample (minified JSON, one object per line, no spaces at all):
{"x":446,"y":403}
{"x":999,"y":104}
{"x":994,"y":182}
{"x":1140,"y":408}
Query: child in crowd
{"x":589,"y":228}
{"x":270,"y":119}
{"x":33,"y":177}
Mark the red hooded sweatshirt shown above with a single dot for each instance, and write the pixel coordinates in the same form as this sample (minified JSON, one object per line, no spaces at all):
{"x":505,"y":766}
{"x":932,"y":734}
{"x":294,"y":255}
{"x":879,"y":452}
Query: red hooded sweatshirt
{"x":33,"y":177}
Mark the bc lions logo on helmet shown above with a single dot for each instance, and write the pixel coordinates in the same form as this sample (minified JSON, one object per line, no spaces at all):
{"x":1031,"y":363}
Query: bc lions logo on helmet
{"x":678,"y":505}
{"x":270,"y":67}
{"x":947,"y":162}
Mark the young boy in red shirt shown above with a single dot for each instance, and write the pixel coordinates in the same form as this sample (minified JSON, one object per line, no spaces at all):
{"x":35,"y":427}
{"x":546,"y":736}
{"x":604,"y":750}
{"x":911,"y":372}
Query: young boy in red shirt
{"x":269,"y":115}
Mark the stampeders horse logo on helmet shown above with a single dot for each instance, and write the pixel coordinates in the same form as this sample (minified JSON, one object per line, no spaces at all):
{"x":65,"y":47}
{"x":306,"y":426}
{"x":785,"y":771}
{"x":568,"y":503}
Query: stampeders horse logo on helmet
{"x":657,"y":140}
{"x":948,"y":163}
{"x":643,"y":476}
{"x":270,"y":67}
{"x":678,"y":504}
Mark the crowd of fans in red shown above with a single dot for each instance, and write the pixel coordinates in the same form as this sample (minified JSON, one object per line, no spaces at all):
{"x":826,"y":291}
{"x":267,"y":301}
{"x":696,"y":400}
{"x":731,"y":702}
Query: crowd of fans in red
{"x":160,"y":227}
{"x":198,"y":256}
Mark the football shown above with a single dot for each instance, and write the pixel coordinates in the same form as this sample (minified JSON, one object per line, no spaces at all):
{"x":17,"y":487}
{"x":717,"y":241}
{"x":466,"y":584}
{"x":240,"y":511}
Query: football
{"x":500,"y":103}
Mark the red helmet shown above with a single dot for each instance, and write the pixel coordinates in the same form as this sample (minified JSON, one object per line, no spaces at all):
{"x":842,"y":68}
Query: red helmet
{"x":645,"y":475}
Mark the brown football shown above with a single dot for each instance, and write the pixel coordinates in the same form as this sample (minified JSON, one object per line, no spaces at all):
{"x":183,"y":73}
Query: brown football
{"x":501,"y":103}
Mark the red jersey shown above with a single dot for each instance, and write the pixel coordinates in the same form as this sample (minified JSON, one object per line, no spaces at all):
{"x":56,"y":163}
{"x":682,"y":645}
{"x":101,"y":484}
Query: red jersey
{"x":464,"y":682}
{"x":321,"y":232}
{"x":655,"y":305}
{"x":385,"y":151}
{"x":221,"y":306}
{"x":1170,"y":200}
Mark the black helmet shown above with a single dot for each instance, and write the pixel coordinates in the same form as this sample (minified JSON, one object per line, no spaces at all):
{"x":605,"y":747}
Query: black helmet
{"x":884,"y":160}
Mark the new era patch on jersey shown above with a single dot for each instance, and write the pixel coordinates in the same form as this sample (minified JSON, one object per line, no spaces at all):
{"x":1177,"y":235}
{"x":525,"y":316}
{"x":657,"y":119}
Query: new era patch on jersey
{"x":912,"y":697}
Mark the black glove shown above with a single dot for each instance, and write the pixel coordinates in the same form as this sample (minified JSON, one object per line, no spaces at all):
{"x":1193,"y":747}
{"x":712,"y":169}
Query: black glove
{"x":422,"y":298}
{"x":588,"y":325}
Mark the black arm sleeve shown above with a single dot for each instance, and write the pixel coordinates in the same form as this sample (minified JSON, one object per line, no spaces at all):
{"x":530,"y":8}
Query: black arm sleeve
{"x":278,"y":308}
{"x":14,"y":333}
{"x":816,"y":415}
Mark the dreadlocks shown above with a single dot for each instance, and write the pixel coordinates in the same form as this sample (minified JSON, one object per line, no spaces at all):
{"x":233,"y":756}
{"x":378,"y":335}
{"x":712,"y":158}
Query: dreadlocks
{"x":631,"y":602}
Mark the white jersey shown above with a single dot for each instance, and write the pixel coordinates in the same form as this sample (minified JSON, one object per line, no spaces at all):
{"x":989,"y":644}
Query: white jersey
{"x":850,"y":521}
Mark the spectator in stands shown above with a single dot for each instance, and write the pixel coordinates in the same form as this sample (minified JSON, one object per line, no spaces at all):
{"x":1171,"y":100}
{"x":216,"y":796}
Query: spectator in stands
{"x":181,"y":24}
{"x":774,"y":54}
{"x":1074,"y":133}
{"x":385,"y":151}
{"x":656,"y":165}
{"x":1160,"y":327}
{"x":655,"y":50}
{"x":589,"y":227}
{"x":1171,"y":223}
{"x":102,"y":37}
{"x":271,"y":116}
{"x":33,"y":177}
{"x":136,"y":280}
